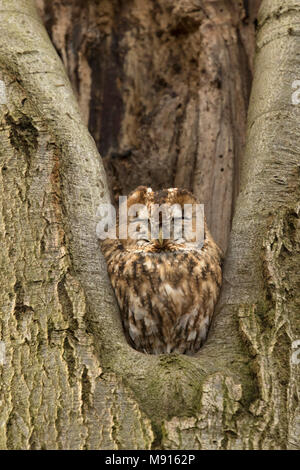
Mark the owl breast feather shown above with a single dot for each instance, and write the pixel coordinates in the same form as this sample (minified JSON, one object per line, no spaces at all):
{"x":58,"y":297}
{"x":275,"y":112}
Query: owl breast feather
{"x":166,"y":301}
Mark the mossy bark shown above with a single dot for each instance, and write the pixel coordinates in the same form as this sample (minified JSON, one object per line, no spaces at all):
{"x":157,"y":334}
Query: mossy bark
{"x":68,"y":378}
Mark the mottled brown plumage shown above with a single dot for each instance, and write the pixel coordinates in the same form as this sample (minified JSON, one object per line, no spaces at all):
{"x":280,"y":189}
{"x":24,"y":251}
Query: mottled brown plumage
{"x":166,"y":290}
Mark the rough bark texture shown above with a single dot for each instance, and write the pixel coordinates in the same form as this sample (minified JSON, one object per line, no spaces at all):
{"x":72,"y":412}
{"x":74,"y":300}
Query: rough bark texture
{"x":164,"y":88}
{"x":69,"y":379}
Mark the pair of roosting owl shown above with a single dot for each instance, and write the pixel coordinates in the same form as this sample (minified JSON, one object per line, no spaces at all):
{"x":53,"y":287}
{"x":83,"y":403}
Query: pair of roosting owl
{"x":166,"y":286}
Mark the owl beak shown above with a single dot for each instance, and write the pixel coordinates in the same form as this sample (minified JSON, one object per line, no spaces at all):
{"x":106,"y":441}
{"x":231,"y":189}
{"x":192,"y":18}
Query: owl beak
{"x":160,"y":237}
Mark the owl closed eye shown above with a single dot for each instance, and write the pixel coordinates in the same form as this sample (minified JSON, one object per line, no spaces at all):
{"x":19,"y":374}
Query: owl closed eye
{"x":166,"y":271}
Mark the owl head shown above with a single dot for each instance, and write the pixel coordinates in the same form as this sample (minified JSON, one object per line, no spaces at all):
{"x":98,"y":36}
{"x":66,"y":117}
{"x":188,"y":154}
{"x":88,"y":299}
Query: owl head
{"x":162,"y":221}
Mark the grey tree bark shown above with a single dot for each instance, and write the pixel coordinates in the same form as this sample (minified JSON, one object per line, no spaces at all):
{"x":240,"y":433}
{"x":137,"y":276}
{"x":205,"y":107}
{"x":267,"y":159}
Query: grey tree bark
{"x":68,"y":378}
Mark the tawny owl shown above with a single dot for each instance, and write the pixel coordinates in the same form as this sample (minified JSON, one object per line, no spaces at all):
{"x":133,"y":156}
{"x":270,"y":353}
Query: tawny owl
{"x":166,"y":282}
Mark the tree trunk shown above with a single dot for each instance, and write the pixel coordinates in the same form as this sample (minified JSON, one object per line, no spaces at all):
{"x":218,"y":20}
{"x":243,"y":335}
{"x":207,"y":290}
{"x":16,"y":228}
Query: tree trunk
{"x":164,"y":88}
{"x":68,"y":378}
